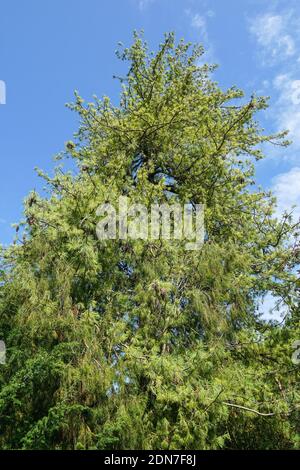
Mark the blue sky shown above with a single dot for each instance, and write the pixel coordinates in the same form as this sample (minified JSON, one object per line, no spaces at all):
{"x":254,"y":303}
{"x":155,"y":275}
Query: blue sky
{"x":50,"y":48}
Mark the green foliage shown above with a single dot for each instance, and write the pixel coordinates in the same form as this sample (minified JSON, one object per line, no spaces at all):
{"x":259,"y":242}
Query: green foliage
{"x":130,"y":344}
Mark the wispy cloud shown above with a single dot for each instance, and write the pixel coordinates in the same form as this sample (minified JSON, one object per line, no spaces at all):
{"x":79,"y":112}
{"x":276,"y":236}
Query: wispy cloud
{"x":286,"y":188}
{"x":272,"y":32}
{"x":144,"y":3}
{"x":287,"y":107}
{"x":199,"y":22}
{"x":277,"y":35}
{"x":272,"y":308}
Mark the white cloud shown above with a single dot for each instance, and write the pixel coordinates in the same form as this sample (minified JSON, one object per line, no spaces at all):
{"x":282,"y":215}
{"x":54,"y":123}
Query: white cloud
{"x":290,"y":88}
{"x":278,"y":36}
{"x":272,"y":308}
{"x":199,"y":22}
{"x":144,"y":3}
{"x":272,"y":32}
{"x":286,"y":188}
{"x":287,"y":109}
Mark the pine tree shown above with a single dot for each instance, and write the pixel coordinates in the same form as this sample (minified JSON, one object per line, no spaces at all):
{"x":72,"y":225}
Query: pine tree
{"x":142,"y":344}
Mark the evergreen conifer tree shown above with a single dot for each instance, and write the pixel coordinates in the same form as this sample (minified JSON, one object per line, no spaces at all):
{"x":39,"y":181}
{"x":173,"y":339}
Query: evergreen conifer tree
{"x":142,"y":344}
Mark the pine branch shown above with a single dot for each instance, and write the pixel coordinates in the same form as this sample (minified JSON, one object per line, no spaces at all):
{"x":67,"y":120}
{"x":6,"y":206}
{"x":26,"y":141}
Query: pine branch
{"x":248,"y":409}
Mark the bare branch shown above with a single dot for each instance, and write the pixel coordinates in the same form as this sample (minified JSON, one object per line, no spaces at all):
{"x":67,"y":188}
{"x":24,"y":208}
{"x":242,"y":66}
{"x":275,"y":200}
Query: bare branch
{"x":248,"y":409}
